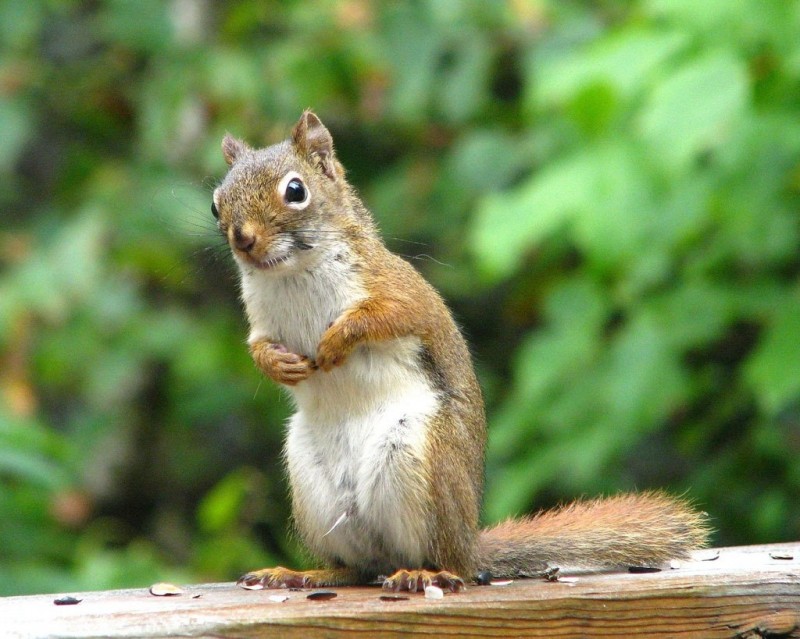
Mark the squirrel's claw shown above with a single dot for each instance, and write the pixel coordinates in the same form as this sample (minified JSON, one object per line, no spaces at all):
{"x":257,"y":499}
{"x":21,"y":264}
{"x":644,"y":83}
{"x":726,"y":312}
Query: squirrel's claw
{"x":414,"y":580}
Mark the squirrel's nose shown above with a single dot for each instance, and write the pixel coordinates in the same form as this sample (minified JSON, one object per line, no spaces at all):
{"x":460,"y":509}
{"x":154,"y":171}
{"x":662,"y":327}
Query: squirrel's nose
{"x":243,"y":241}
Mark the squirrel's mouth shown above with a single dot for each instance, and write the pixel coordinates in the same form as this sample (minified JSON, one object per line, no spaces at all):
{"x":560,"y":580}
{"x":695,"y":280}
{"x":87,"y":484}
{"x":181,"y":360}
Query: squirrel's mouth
{"x":266,"y":263}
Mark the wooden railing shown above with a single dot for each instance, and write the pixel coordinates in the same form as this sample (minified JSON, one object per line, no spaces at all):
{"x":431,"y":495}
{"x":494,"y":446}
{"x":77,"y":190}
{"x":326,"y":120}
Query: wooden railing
{"x":745,"y":592}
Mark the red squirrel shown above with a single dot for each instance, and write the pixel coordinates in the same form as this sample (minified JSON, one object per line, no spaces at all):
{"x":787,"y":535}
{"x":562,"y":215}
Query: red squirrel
{"x":385,"y":451}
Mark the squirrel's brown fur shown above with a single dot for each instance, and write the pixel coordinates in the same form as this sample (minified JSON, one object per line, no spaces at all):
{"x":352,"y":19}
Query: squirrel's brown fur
{"x":639,"y":529}
{"x":380,"y":372}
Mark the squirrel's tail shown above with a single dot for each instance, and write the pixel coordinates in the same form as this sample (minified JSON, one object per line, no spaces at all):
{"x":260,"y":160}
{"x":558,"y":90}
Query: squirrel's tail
{"x":645,"y":529}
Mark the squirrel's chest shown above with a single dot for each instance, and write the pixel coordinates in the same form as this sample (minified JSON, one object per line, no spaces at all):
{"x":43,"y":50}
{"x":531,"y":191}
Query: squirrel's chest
{"x":296,"y":310}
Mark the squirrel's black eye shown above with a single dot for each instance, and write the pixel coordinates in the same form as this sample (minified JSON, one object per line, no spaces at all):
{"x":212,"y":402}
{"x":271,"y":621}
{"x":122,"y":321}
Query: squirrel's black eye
{"x":295,"y":191}
{"x":214,"y":211}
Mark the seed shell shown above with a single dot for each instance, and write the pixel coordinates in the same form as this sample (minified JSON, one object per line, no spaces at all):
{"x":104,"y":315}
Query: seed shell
{"x":278,"y":598}
{"x":163,"y":589}
{"x":434,"y":592}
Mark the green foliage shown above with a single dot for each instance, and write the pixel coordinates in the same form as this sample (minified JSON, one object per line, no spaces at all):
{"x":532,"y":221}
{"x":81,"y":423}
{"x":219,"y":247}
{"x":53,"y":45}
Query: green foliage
{"x":606,"y":193}
{"x":671,"y":204}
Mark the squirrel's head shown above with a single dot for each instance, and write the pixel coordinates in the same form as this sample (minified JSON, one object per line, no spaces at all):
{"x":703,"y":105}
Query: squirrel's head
{"x":277,"y":205}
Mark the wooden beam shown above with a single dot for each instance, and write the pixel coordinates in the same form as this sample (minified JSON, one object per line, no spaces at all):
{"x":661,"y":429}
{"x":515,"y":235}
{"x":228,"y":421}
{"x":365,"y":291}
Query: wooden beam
{"x":743,"y":592}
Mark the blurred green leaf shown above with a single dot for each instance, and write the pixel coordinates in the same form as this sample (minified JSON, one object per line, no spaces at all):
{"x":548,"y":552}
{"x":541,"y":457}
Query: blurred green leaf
{"x":16,"y":128}
{"x":773,"y":370}
{"x":30,"y":453}
{"x":20,"y":22}
{"x":507,"y":224}
{"x":625,"y":61}
{"x":464,"y":84}
{"x":645,"y":380}
{"x":602,"y":192}
{"x":143,"y":25}
{"x":222,"y":506}
{"x":695,"y":109}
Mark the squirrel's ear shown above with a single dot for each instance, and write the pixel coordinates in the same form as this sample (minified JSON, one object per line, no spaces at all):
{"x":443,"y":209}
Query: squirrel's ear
{"x":232,"y":148}
{"x":315,"y":143}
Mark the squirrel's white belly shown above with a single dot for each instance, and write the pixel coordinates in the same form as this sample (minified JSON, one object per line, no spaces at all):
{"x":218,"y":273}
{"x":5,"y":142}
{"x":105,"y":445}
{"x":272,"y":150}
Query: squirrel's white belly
{"x":355,"y":451}
{"x":356,"y":446}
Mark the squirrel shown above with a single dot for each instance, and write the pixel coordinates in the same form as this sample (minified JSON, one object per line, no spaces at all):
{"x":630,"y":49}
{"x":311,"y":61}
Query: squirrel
{"x":385,"y":451}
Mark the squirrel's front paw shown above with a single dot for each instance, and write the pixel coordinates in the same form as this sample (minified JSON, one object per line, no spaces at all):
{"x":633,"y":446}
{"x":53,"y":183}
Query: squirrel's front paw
{"x":280,"y":364}
{"x":333,"y":348}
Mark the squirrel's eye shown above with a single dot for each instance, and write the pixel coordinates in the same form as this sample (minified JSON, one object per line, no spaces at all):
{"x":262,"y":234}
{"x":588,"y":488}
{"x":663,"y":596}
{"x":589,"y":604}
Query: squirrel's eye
{"x":295,"y":191}
{"x":214,"y":211}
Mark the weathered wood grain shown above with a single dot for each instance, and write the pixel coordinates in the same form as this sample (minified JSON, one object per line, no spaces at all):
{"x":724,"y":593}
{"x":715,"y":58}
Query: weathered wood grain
{"x":743,"y":593}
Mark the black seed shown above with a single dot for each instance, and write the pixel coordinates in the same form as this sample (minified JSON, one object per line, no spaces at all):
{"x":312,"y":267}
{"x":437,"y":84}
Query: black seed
{"x":321,"y":595}
{"x":66,"y":601}
{"x":484,"y":578}
{"x":643,"y":569}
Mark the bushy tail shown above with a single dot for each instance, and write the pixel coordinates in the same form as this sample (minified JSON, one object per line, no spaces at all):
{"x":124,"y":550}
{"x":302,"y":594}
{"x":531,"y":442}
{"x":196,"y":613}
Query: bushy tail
{"x":645,"y":529}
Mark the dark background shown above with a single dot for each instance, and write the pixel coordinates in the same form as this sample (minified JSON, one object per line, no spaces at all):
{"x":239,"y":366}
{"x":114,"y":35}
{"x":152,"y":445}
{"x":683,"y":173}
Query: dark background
{"x":605,"y":192}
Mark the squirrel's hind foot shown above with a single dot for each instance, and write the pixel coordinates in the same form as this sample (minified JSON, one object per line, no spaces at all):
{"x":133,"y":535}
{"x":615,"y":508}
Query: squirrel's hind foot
{"x":414,"y":580}
{"x":278,"y":577}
